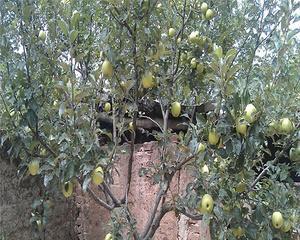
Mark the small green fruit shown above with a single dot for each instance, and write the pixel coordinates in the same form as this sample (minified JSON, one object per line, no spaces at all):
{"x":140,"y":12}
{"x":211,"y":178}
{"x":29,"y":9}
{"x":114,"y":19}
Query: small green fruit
{"x":213,"y":137}
{"x":201,"y":148}
{"x":209,"y":14}
{"x":286,"y":126}
{"x":148,"y":80}
{"x":67,"y":189}
{"x":175,"y":109}
{"x":34,"y":167}
{"x":207,"y":203}
{"x":107,"y":69}
{"x":107,"y":107}
{"x":194,"y":63}
{"x":204,"y":7}
{"x":277,"y":220}
{"x":250,"y":113}
{"x":194,"y":36}
{"x":42,"y":36}
{"x":241,"y":127}
{"x":172,"y":32}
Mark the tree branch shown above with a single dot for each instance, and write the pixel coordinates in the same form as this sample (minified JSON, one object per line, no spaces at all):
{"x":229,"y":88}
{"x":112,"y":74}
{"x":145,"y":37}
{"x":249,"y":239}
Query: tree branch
{"x":100,"y":201}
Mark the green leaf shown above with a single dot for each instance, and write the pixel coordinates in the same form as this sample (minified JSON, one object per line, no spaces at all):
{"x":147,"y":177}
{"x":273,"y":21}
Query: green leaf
{"x":73,"y":35}
{"x":63,"y":26}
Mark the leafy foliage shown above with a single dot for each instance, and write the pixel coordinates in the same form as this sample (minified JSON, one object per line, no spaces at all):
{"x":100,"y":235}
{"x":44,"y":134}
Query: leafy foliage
{"x":51,"y":89}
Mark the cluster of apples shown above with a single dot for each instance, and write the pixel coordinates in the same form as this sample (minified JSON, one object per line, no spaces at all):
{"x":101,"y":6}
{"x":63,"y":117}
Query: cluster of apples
{"x":207,"y":13}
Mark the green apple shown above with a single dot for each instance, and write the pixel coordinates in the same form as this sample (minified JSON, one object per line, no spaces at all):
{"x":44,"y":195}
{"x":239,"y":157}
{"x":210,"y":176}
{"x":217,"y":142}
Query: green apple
{"x":194,"y":37}
{"x":205,"y":169}
{"x":107,"y":107}
{"x":213,"y":137}
{"x":238,"y":232}
{"x":241,"y":127}
{"x":130,"y":126}
{"x":175,"y":109}
{"x":194,"y":63}
{"x":286,"y":226}
{"x":277,"y":220}
{"x":42,"y":35}
{"x":34,"y":167}
{"x":295,"y":154}
{"x":250,"y":113}
{"x":178,"y":40}
{"x":286,"y":125}
{"x":219,"y":52}
{"x":201,"y":148}
{"x":107,"y":69}
{"x":207,"y":203}
{"x":67,"y":189}
{"x":108,"y":236}
{"x":97,"y":176}
{"x":204,"y":7}
{"x":172,"y":32}
{"x":209,"y":14}
{"x":148,"y":80}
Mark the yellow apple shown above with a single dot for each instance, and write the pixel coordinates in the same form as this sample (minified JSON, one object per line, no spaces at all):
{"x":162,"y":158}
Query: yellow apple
{"x":241,"y":127}
{"x":277,"y":220}
{"x":172,"y":32}
{"x":194,"y":63}
{"x":250,"y":113}
{"x":194,"y":36}
{"x":108,"y":236}
{"x":213,"y":137}
{"x":204,"y":7}
{"x":97,"y":176}
{"x":238,"y":232}
{"x":107,"y":69}
{"x":107,"y":107}
{"x":207,"y":203}
{"x":201,"y":148}
{"x":286,"y":125}
{"x":130,"y":126}
{"x":148,"y":80}
{"x":286,"y":226}
{"x":175,"y":109}
{"x":67,"y":189}
{"x":295,"y":154}
{"x":209,"y":14}
{"x":42,"y":35}
{"x":205,"y":169}
{"x":34,"y":167}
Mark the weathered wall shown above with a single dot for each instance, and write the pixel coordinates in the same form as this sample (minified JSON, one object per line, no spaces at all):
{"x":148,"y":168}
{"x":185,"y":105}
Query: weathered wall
{"x":15,"y":209}
{"x":81,"y":216}
{"x":92,"y":218}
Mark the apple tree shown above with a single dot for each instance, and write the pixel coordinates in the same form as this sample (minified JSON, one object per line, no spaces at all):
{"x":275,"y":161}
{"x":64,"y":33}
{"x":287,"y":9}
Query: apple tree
{"x":65,"y":65}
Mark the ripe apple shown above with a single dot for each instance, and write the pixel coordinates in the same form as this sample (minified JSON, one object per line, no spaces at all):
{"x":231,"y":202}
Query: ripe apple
{"x":175,"y":109}
{"x":107,"y":69}
{"x":207,"y":203}
{"x":194,"y":63}
{"x":213,"y":137}
{"x":286,"y":226}
{"x":194,"y":36}
{"x":201,"y":148}
{"x":277,"y":220}
{"x":286,"y":125}
{"x":241,"y":127}
{"x":238,"y":232}
{"x":241,"y":187}
{"x":130,"y":126}
{"x":108,"y":236}
{"x":42,"y":35}
{"x":172,"y":32}
{"x":250,"y":113}
{"x":148,"y":80}
{"x":209,"y":14}
{"x":295,"y":154}
{"x":204,"y":169}
{"x":34,"y":167}
{"x":97,"y":176}
{"x":67,"y":189}
{"x":107,"y":107}
{"x":204,"y":7}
